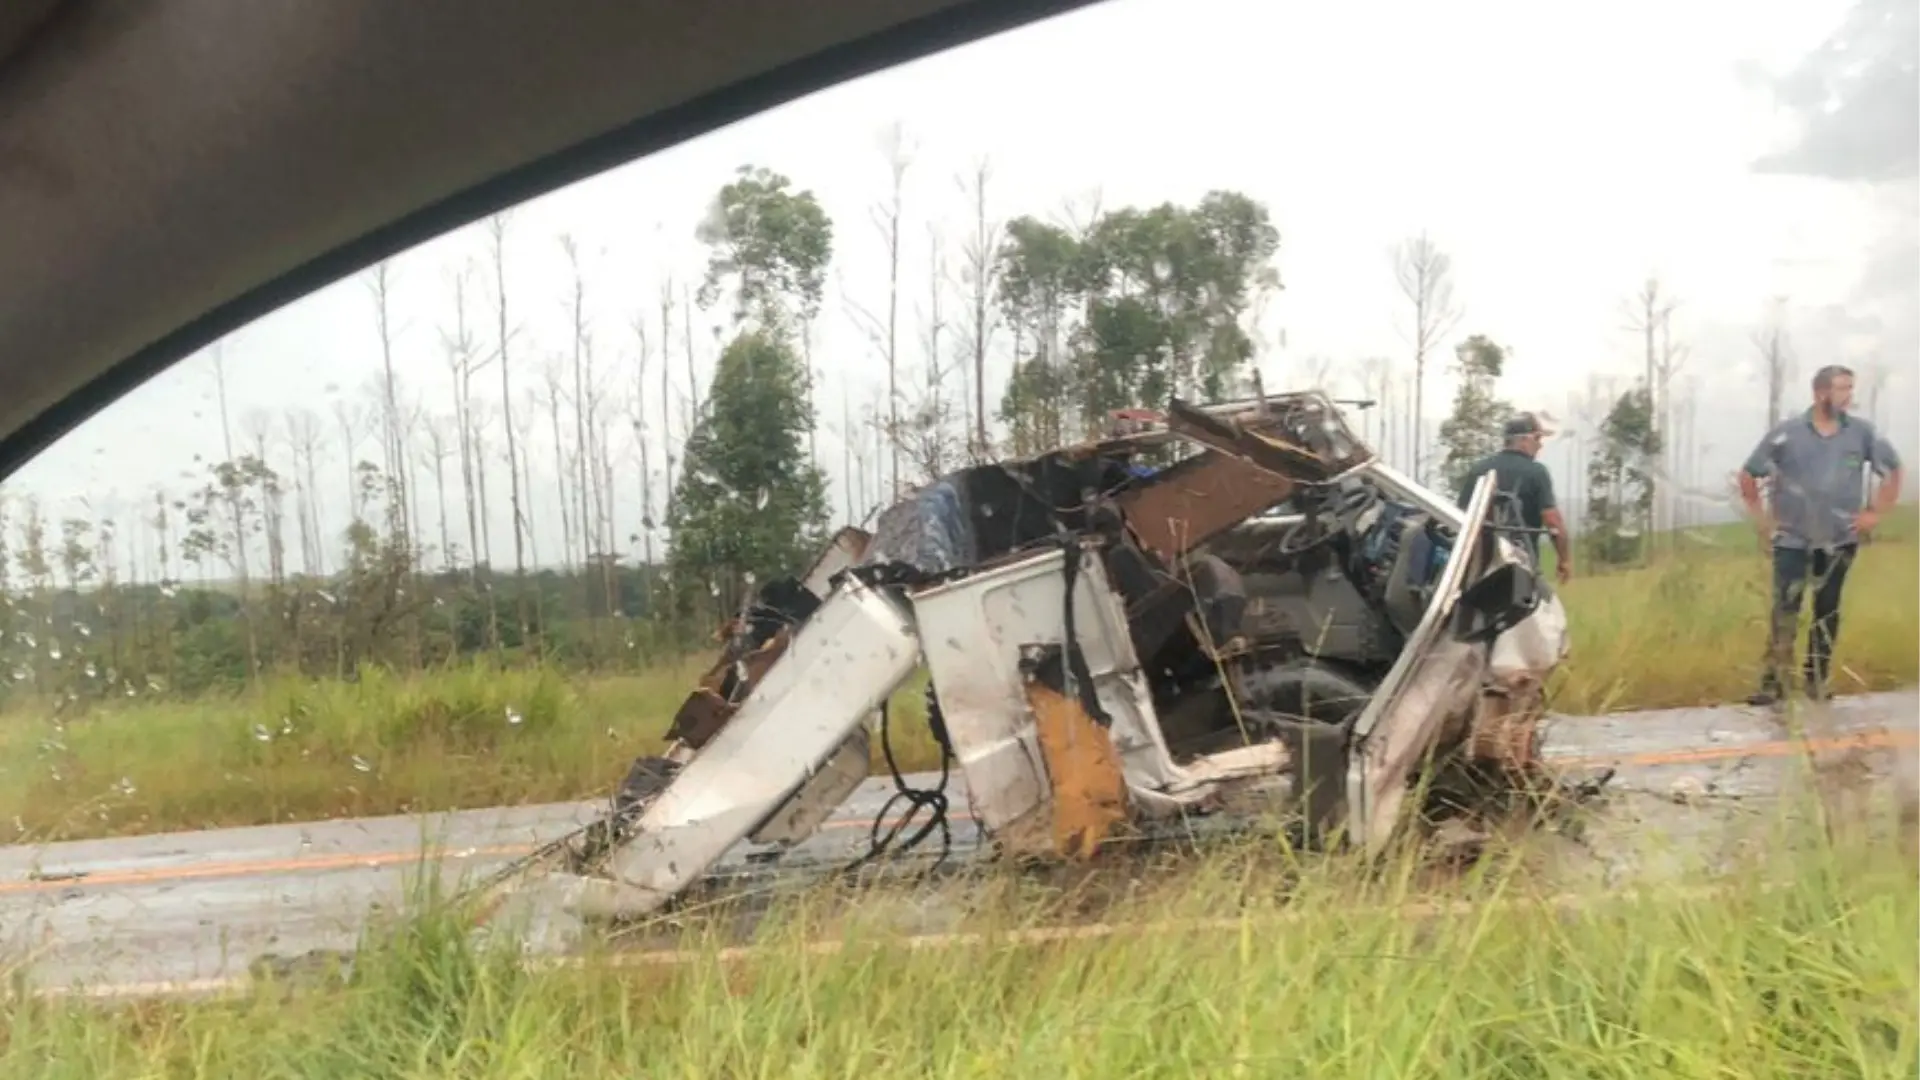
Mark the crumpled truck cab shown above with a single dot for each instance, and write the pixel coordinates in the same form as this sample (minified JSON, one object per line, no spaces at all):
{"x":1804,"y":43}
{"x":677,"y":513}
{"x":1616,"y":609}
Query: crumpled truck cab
{"x":1222,"y":610}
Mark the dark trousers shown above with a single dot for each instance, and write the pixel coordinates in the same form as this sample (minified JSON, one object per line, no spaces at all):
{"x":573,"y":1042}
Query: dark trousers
{"x":1792,"y":570}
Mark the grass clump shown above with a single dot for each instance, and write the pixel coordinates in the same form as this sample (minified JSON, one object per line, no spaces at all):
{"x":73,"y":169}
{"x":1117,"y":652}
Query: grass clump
{"x":1800,"y":964}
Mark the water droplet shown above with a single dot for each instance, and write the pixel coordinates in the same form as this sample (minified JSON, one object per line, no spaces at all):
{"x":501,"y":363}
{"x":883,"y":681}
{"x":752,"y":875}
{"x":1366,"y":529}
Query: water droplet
{"x":28,"y":640}
{"x":169,"y":589}
{"x":513,"y":716}
{"x":261,"y":734}
{"x":325,"y":595}
{"x":92,"y":672}
{"x":53,"y":650}
{"x":83,"y":630}
{"x":760,"y":503}
{"x":153,"y":685}
{"x":286,"y":725}
{"x":749,"y":577}
{"x":713,"y":588}
{"x":21,"y":674}
{"x":361,"y":764}
{"x":125,"y":787}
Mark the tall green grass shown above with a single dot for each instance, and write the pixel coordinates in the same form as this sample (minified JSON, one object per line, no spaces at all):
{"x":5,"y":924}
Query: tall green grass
{"x":1688,"y":630}
{"x":1802,"y":965}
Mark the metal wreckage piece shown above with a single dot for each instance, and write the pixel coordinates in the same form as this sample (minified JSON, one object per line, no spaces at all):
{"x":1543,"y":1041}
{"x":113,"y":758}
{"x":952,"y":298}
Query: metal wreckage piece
{"x":1213,"y":611}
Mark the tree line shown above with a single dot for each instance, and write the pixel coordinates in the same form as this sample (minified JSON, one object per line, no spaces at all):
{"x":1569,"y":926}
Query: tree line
{"x":675,"y":494}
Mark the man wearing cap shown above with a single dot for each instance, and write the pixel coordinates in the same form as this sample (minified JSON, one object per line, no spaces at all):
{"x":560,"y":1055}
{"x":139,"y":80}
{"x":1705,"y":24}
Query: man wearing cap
{"x":1815,"y":463}
{"x":1523,"y":496}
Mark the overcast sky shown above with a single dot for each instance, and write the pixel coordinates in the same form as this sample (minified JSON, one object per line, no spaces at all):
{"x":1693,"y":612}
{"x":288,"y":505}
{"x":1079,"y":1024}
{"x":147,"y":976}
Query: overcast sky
{"x":1559,"y":153}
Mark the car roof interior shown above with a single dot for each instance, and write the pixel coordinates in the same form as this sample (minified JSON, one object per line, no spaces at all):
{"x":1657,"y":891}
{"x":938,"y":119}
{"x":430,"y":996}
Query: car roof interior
{"x":173,"y":170}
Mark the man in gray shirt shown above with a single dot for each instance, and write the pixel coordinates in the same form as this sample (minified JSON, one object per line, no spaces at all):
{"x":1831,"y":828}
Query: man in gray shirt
{"x":1815,"y":464}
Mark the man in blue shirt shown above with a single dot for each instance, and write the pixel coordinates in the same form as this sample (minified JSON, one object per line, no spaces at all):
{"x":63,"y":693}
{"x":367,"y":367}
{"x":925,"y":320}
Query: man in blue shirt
{"x":1813,"y":520}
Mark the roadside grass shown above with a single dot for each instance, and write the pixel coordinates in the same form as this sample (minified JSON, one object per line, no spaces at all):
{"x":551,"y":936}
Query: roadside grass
{"x":1688,"y":630}
{"x":1801,"y":962}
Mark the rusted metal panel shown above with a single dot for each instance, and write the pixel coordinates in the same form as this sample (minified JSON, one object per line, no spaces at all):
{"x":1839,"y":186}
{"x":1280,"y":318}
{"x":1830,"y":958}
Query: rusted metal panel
{"x":1302,"y":439}
{"x":1197,"y":499}
{"x":1505,"y":732}
{"x":707,"y":709}
{"x":1088,"y":782}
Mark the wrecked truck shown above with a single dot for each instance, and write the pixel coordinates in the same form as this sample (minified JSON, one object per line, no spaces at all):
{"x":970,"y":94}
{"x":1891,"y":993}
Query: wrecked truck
{"x":1216,"y":610}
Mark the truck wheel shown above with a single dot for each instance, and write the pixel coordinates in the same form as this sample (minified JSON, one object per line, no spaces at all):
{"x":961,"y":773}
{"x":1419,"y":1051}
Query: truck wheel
{"x":1311,"y":709}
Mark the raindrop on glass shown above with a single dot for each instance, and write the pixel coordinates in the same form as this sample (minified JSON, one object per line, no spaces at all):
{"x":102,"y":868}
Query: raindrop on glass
{"x":513,"y":716}
{"x":261,"y":734}
{"x":125,"y":787}
{"x":361,"y":764}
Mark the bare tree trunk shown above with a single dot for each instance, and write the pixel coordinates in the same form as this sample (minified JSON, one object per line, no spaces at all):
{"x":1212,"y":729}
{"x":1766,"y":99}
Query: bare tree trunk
{"x":693,"y":374}
{"x":303,"y":432}
{"x":553,"y":399}
{"x":640,"y":440}
{"x":462,"y":363}
{"x":980,"y":259}
{"x":1425,"y":276}
{"x":887,"y":218}
{"x":583,"y":442}
{"x":437,"y":447}
{"x":1650,"y":318}
{"x":523,"y":435}
{"x":603,"y":500}
{"x":481,"y":423}
{"x":239,"y":526}
{"x":1776,"y":354}
{"x":380,"y":284}
{"x":497,"y":226}
{"x":666,"y":392}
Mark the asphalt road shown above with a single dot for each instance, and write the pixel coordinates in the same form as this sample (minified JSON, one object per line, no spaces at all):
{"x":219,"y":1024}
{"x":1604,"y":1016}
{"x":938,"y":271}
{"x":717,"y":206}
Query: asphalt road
{"x":189,"y":911}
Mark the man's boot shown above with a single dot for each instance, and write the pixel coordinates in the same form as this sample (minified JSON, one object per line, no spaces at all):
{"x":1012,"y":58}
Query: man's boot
{"x":1815,"y":677}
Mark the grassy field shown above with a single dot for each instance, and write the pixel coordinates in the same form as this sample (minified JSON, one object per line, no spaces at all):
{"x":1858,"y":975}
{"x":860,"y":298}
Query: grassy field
{"x":1688,"y":630}
{"x":1800,"y":965}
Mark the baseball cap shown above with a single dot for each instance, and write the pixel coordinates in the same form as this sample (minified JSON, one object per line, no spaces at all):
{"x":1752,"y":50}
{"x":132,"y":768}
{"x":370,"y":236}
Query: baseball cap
{"x":1526,"y":424}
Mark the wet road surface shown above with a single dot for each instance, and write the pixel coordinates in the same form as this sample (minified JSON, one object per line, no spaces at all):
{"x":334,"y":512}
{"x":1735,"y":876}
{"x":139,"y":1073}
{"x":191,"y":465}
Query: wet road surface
{"x":186,"y":911}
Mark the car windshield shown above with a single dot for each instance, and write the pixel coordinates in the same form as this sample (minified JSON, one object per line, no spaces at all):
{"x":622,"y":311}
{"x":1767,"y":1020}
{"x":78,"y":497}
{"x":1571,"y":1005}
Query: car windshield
{"x":496,"y":540}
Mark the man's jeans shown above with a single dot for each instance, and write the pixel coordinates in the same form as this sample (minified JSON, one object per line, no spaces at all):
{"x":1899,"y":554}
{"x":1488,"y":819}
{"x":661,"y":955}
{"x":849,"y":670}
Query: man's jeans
{"x":1791,"y":569}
